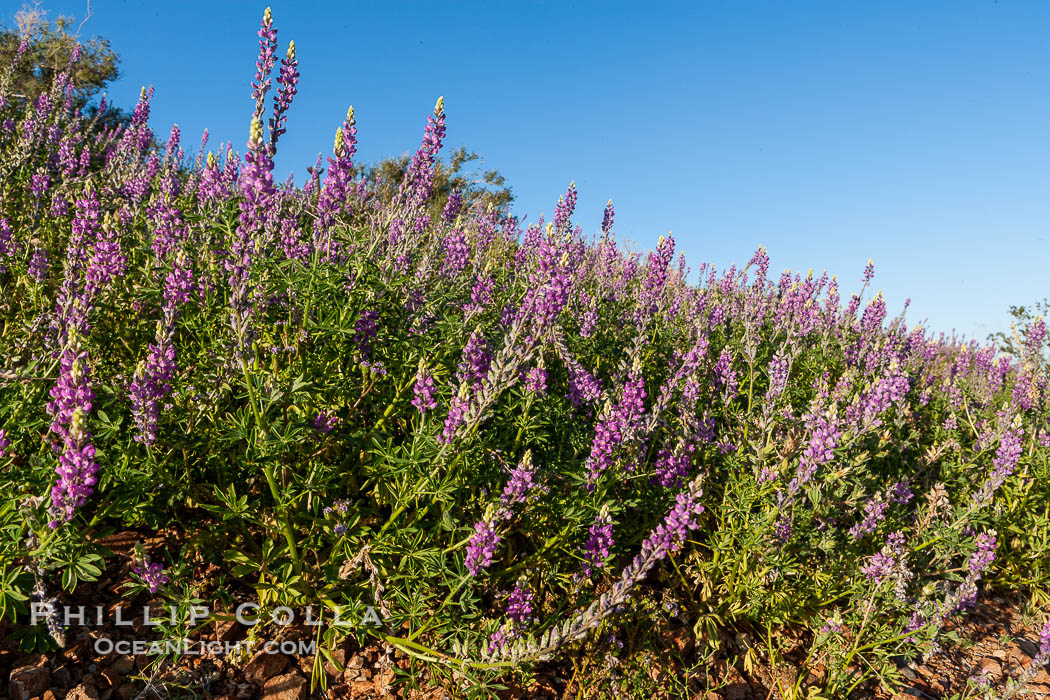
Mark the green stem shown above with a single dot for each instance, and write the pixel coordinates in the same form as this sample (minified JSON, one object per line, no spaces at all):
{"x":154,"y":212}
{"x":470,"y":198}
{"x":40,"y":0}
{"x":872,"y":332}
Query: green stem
{"x":268,"y":471}
{"x":393,"y":403}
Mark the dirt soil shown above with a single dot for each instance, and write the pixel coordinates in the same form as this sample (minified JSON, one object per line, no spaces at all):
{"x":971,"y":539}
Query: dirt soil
{"x":997,"y":644}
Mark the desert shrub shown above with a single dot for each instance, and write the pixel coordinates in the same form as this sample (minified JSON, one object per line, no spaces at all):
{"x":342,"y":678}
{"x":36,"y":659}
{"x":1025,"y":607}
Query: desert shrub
{"x":493,"y":435}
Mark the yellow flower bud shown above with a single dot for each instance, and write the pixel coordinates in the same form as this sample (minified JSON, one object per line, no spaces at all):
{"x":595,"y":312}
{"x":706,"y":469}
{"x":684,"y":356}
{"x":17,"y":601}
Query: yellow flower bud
{"x":255,"y":131}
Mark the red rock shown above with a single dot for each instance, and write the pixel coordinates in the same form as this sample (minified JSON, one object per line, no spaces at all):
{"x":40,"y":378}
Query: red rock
{"x":290,"y":686}
{"x":123,"y":665}
{"x":228,"y":631}
{"x":83,"y":692}
{"x":28,"y":682}
{"x":382,"y":682}
{"x":682,"y":639}
{"x":111,"y":676}
{"x":362,"y":689}
{"x":991,"y":668}
{"x":262,"y":667}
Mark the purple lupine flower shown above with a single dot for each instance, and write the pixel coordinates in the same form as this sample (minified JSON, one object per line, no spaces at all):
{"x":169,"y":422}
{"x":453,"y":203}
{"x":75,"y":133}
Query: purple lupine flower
{"x":767,"y":475}
{"x":599,"y":542}
{"x":778,"y":376}
{"x":607,"y":218}
{"x":482,"y":546}
{"x":725,"y":375}
{"x":169,"y":228}
{"x":1005,"y":461}
{"x":213,"y":185}
{"x":521,"y":482}
{"x":457,"y":254}
{"x":365,"y":331}
{"x":325,"y":423}
{"x":178,"y":285}
{"x":452,"y":207}
{"x":656,"y":279}
{"x":901,"y":493}
{"x":333,"y":198}
{"x":423,"y":391}
{"x":833,"y":625}
{"x":869,"y":271}
{"x":71,"y":403}
{"x":264,"y":64}
{"x":886,"y":561}
{"x":616,"y":427}
{"x":985,"y":553}
{"x":670,"y":535}
{"x":1035,"y":336}
{"x":1025,"y":391}
{"x":457,"y":415}
{"x":172,"y":147}
{"x":783,"y":528}
{"x":564,"y":209}
{"x":292,"y":245}
{"x":8,"y":246}
{"x":420,"y":176}
{"x":480,"y":296}
{"x":256,"y":184}
{"x":39,"y":184}
{"x":4,"y":442}
{"x":107,"y":260}
{"x":874,"y":513}
{"x":151,"y":383}
{"x":519,"y":603}
{"x":536,"y":381}
{"x":583,"y":386}
{"x":823,"y":439}
{"x":152,"y":575}
{"x":476,"y":360}
{"x":287,"y":79}
{"x":980,"y":560}
{"x":341,"y":506}
{"x":886,"y":391}
{"x":672,"y":466}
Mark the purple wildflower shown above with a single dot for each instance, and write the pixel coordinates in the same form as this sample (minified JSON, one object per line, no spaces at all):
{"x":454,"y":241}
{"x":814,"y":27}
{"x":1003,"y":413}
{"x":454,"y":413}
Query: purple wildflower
{"x":521,"y":482}
{"x":423,"y":392}
{"x":325,"y":423}
{"x":71,"y":403}
{"x":152,"y":575}
{"x":519,"y":603}
{"x":536,"y":381}
{"x":599,"y":542}
{"x":482,"y":546}
{"x":38,"y":265}
{"x":476,"y":360}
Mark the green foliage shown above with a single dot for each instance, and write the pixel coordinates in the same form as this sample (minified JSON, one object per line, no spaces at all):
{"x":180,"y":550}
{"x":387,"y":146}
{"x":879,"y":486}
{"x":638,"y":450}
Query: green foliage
{"x":487,"y":189}
{"x":51,"y":44}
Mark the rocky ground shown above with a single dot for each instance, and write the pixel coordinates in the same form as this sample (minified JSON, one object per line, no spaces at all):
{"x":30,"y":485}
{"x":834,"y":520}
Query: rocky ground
{"x":997,"y":641}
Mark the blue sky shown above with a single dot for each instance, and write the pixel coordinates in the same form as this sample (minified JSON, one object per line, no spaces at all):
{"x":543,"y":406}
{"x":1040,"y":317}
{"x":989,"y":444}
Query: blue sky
{"x":917,"y":134}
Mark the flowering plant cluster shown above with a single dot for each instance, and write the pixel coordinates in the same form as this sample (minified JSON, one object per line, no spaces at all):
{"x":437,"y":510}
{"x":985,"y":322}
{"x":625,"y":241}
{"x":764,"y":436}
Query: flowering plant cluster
{"x":498,"y":432}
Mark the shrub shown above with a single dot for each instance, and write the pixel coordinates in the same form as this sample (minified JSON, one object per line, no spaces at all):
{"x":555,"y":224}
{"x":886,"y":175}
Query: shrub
{"x":495,"y":436}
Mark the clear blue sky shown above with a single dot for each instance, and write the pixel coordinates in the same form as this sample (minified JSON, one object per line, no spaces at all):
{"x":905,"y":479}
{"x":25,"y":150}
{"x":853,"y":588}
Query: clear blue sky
{"x":917,"y":134}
